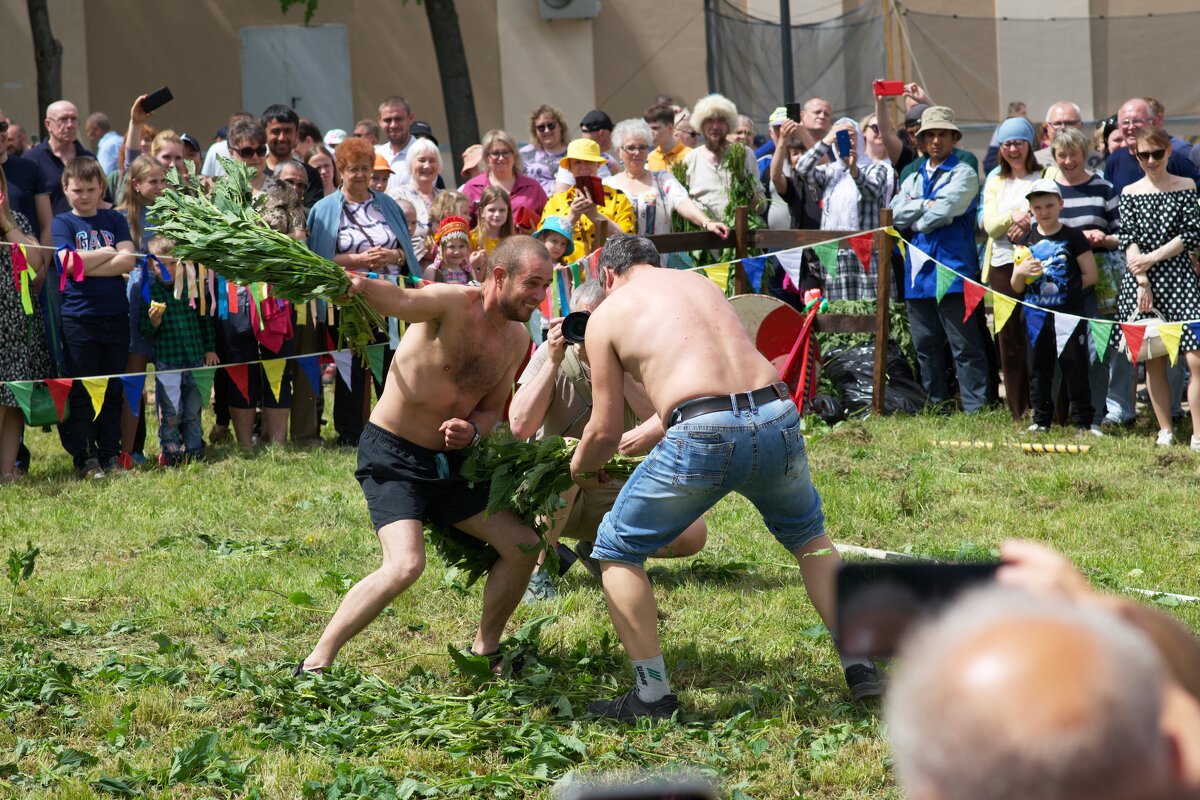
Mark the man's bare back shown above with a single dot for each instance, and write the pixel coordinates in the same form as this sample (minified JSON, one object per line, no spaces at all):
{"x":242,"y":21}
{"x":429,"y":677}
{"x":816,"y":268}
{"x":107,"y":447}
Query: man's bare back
{"x":444,"y":368}
{"x":676,"y":333}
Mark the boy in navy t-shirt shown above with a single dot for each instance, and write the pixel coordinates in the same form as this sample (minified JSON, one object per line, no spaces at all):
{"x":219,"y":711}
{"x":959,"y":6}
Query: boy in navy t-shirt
{"x":95,"y":316}
{"x":1061,"y":267}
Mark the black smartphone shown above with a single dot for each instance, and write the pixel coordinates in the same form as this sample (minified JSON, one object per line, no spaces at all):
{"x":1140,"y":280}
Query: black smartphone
{"x":157,"y":99}
{"x":793,"y":111}
{"x":879,"y":600}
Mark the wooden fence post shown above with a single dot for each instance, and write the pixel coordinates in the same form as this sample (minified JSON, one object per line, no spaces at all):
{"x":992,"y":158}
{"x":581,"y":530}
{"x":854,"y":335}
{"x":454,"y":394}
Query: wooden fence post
{"x":883,"y":302}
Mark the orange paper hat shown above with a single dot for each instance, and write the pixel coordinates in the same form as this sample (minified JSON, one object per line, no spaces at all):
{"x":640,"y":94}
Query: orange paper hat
{"x":451,"y":227}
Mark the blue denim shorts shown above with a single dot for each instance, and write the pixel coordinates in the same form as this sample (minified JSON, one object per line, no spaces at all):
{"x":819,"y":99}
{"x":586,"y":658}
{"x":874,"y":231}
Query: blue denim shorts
{"x":757,"y":452}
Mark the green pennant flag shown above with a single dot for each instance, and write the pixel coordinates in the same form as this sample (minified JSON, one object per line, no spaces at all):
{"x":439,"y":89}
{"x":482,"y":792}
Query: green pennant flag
{"x":23,"y":391}
{"x":1101,"y":332}
{"x":204,"y":382}
{"x":375,"y":356}
{"x":827,"y":252}
{"x":945,"y":277}
{"x":577,"y":276}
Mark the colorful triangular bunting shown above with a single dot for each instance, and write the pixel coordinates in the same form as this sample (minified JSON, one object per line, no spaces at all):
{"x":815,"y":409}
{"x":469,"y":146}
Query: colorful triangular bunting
{"x":972,"y":294}
{"x":96,"y":387}
{"x":273,"y":368}
{"x":1134,"y":333}
{"x":1171,"y":333}
{"x":862,"y":246}
{"x":1002,"y":309}
{"x":203,"y":378}
{"x":310,"y":366}
{"x":917,"y":259}
{"x":375,"y":357}
{"x":60,"y":390}
{"x":23,"y":391}
{"x":945,"y":279}
{"x":1035,"y":317}
{"x":171,"y":385}
{"x":133,"y":385}
{"x":792,"y":262}
{"x":755,"y":267}
{"x":240,"y":375}
{"x":1101,"y":332}
{"x":827,"y":253}
{"x":343,"y":359}
{"x":1065,"y":326}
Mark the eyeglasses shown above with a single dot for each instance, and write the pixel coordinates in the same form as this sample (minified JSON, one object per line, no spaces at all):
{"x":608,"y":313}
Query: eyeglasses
{"x":499,"y":155}
{"x":1013,"y":144}
{"x":1130,"y":122}
{"x":636,"y":148}
{"x":546,"y":127}
{"x":1152,"y":155}
{"x":1072,"y":123}
{"x":251,"y":152}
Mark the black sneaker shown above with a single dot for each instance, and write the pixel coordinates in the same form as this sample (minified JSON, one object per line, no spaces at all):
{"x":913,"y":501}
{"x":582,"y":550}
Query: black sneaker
{"x":584,"y":551}
{"x":864,"y":681}
{"x":91,"y":470}
{"x":630,"y":708}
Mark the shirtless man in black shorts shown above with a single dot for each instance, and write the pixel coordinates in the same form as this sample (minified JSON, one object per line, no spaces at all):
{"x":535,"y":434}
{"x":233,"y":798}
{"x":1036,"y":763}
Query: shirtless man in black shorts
{"x":446,"y":388}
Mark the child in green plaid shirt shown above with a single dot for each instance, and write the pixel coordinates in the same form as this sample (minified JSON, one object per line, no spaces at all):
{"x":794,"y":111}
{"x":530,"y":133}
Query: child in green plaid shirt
{"x":183,"y":338}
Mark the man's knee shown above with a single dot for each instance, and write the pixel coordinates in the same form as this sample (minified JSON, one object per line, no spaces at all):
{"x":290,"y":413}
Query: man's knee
{"x":399,"y":574}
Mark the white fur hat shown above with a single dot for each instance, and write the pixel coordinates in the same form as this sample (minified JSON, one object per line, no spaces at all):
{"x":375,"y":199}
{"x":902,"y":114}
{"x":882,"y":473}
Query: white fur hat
{"x":714,"y":105}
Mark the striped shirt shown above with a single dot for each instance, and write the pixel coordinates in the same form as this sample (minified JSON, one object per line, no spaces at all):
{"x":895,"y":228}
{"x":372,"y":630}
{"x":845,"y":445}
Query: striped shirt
{"x":1090,"y":206}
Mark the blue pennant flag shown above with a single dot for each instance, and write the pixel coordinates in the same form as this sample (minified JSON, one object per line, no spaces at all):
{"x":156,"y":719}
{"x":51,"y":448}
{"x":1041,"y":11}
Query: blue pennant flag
{"x":1034,"y":319}
{"x":311,"y":367}
{"x":134,"y":385}
{"x":754,"y":268}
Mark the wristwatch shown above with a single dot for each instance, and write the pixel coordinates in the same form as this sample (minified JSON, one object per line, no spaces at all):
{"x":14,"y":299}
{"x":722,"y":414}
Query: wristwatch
{"x":477,"y":437}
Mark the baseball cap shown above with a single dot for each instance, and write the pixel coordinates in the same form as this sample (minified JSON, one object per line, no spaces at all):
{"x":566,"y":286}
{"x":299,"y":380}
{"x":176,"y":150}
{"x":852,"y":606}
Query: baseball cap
{"x":334,"y":137}
{"x":596,"y":120}
{"x":913,"y":115}
{"x":190,"y":141}
{"x":421,"y":130}
{"x":1044,"y":186}
{"x":777,"y":116}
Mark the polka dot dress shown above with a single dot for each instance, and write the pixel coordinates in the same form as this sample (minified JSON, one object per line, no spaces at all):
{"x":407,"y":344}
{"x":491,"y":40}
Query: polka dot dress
{"x":1150,"y":221}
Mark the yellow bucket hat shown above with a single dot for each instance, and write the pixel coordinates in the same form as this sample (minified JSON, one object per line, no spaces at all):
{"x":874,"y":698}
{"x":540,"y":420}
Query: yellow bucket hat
{"x":582,"y":150}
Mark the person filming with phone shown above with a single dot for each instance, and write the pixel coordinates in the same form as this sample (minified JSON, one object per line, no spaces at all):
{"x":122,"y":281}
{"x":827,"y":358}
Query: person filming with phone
{"x":589,"y":200}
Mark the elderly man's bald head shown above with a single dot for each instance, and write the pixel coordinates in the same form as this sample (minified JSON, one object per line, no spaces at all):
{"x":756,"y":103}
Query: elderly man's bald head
{"x":1010,"y":696}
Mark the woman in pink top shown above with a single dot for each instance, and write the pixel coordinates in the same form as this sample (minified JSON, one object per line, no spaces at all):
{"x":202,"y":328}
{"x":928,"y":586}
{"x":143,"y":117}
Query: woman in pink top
{"x":504,"y":169}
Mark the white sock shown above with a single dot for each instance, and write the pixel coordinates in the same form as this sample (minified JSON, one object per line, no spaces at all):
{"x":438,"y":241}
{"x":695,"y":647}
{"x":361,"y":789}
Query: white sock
{"x":651,"y":676}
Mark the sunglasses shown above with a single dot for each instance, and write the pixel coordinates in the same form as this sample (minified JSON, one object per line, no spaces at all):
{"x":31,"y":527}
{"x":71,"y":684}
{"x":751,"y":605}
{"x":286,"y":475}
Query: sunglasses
{"x":251,"y":152}
{"x":546,"y":127}
{"x":874,"y":128}
{"x":1148,"y":155}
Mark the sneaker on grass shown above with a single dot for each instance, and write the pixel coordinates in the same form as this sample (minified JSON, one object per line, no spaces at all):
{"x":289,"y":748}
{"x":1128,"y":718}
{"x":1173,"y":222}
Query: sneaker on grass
{"x":630,"y":708}
{"x":864,"y":681}
{"x":540,"y":588}
{"x":91,"y":470}
{"x":1035,"y":428}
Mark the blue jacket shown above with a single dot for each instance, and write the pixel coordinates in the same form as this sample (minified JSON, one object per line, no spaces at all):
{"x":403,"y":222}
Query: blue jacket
{"x":945,"y":227}
{"x":325,"y":215}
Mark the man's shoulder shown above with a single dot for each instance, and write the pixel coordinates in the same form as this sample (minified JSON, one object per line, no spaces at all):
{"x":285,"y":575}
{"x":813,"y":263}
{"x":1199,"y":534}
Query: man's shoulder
{"x":19,"y":167}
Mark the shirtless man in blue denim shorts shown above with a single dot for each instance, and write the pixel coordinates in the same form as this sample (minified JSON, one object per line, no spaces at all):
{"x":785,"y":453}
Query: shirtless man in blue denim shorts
{"x":731,"y":426}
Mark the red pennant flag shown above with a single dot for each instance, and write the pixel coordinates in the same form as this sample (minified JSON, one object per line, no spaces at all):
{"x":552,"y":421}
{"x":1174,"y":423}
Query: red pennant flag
{"x":593,"y":263}
{"x":329,"y":341}
{"x":232,"y":295}
{"x":1133,"y":338}
{"x":59,"y":389}
{"x":240,"y":375}
{"x":861,"y":245}
{"x":972,"y":294}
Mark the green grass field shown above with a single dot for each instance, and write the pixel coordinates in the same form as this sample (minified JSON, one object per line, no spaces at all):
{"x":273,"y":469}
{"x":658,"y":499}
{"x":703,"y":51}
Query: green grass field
{"x":149,"y":652}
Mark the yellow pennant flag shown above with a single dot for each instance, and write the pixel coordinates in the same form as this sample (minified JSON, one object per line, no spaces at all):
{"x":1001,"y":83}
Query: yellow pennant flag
{"x":1170,"y":333}
{"x":892,"y":232}
{"x":301,"y":313}
{"x":274,"y":368}
{"x":96,"y":387}
{"x":719,"y":273}
{"x":1002,"y":308}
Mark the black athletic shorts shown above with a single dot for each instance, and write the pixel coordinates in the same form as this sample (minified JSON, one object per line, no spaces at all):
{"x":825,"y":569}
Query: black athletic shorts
{"x":400,"y":480}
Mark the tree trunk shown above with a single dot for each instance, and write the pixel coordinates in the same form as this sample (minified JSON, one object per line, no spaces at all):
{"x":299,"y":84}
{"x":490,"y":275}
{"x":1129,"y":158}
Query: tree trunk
{"x":47,"y":55}
{"x":457,"y":96}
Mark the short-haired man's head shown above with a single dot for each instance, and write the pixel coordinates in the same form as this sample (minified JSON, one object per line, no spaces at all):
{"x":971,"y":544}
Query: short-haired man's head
{"x":627,"y":250}
{"x":661,"y":113}
{"x":161,"y":246}
{"x":516,"y":254}
{"x":246,"y":133}
{"x":990,"y":703}
{"x":280,"y":113}
{"x":83,"y":170}
{"x":587,"y":296}
{"x":395,"y":101}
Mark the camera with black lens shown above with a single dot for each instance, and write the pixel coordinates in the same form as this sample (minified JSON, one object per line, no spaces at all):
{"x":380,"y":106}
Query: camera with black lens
{"x":574,"y":326}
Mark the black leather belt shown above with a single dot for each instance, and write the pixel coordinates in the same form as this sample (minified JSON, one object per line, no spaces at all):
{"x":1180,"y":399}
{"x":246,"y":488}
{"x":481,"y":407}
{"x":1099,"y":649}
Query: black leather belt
{"x":724,"y":402}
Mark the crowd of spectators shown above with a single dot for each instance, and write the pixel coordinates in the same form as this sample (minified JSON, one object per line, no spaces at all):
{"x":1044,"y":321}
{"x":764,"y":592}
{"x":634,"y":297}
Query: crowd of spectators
{"x":379,"y":200}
